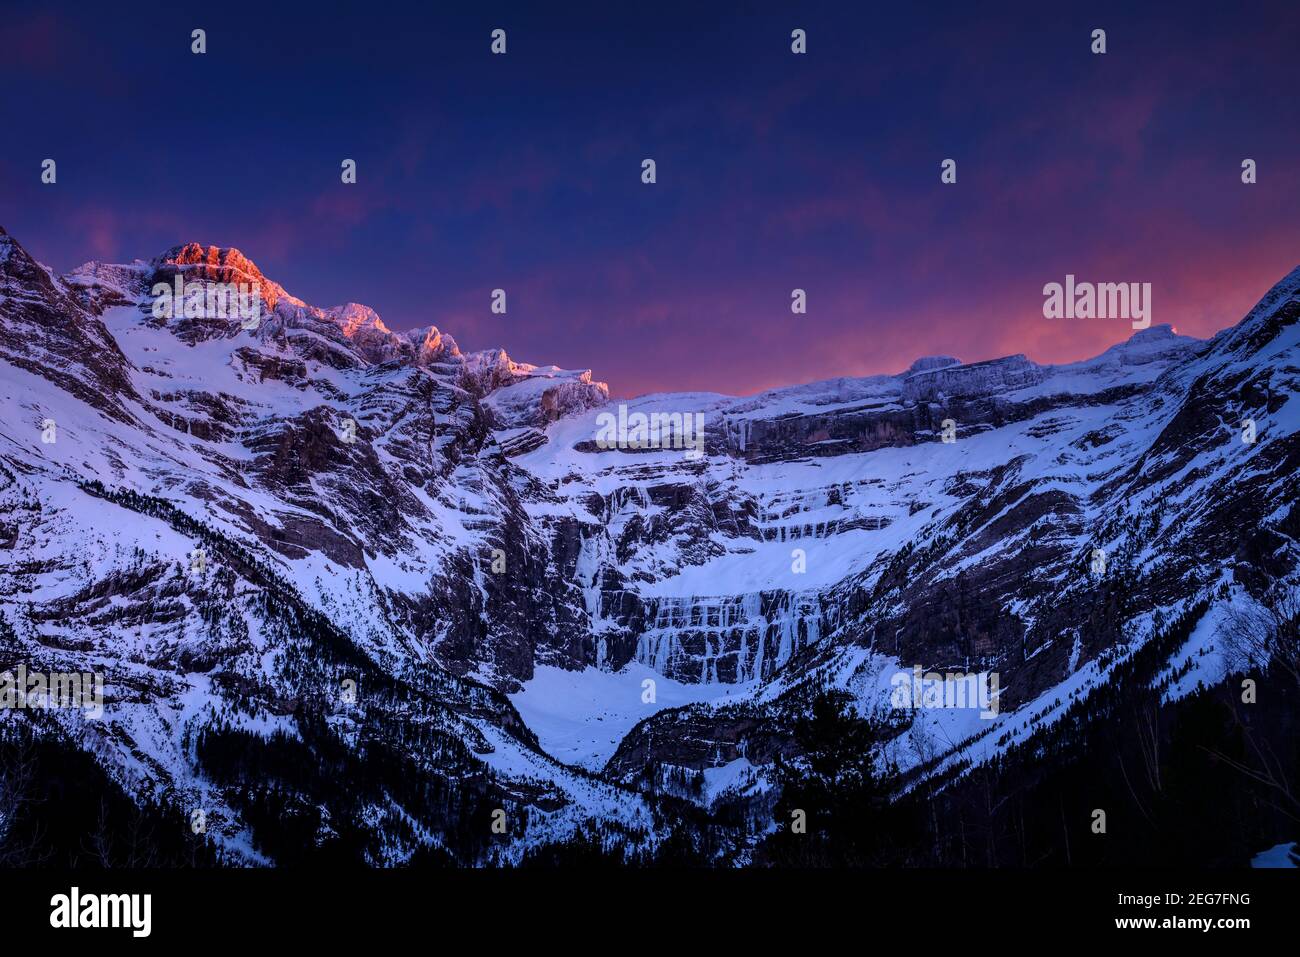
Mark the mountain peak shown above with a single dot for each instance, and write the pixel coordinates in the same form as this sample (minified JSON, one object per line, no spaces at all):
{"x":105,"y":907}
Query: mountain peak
{"x":431,"y":343}
{"x":355,"y":319}
{"x":17,"y":264}
{"x":224,"y":264}
{"x":192,"y":253}
{"x":927,"y":363}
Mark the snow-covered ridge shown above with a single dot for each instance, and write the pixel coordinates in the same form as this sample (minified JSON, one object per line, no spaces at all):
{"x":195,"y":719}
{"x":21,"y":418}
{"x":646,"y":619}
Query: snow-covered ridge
{"x":363,"y":332}
{"x":351,"y":334}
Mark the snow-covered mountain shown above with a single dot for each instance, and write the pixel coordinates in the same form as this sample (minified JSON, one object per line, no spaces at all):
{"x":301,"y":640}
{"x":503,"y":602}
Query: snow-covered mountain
{"x":419,"y":578}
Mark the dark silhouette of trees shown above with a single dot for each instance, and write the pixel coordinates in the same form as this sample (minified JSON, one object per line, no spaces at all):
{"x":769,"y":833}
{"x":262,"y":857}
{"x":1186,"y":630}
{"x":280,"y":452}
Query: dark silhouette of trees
{"x":841,"y":789}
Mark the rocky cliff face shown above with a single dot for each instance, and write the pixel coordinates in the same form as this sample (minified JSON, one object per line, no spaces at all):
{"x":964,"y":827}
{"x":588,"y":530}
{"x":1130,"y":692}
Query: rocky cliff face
{"x":453,"y":533}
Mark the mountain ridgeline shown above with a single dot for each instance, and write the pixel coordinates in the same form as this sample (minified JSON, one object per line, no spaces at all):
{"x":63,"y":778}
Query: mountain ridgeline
{"x":361,"y":598}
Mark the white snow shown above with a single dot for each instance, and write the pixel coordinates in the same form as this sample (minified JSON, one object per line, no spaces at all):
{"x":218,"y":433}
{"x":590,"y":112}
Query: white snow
{"x":580,"y":717}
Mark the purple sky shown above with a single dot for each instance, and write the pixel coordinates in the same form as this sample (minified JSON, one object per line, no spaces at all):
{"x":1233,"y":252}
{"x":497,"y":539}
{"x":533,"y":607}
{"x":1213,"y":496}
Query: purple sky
{"x":775,"y":171}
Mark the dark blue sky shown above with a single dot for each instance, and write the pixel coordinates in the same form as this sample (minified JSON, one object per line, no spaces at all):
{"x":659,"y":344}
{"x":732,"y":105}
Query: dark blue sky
{"x":775,"y":171}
